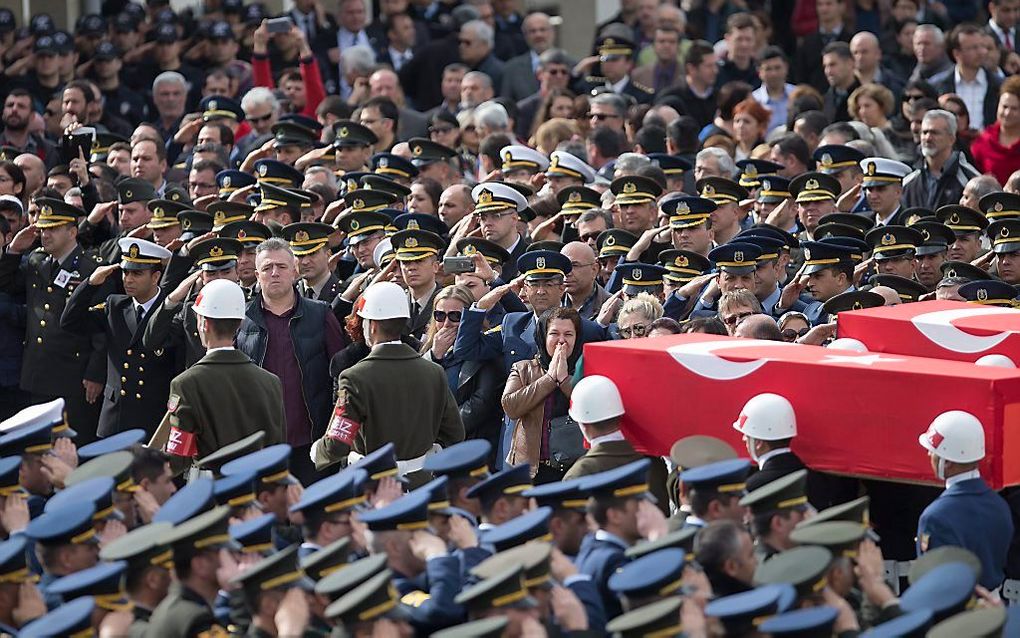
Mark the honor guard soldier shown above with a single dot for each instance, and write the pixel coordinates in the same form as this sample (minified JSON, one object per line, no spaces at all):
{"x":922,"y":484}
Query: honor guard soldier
{"x":224,"y":397}
{"x":353,"y":143}
{"x":187,"y":609}
{"x":393,"y":385}
{"x":56,"y":362}
{"x":147,"y":578}
{"x":138,"y":379}
{"x":395,"y":167}
{"x":174,"y":321}
{"x":602,"y":553}
{"x":768,"y":425}
{"x":955,"y":442}
{"x":567,"y":170}
{"x":310,"y":243}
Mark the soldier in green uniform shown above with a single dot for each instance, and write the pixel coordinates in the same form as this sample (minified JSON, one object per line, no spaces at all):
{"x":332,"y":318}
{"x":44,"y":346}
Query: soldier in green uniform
{"x":785,"y":499}
{"x":391,"y":387}
{"x":56,"y":363}
{"x":147,"y":579}
{"x":187,"y":609}
{"x":224,"y":396}
{"x":264,"y":586}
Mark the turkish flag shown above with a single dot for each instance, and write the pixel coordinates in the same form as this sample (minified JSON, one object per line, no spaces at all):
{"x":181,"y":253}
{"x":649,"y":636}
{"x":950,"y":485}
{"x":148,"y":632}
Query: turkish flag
{"x":953,"y":330}
{"x":857,"y":413}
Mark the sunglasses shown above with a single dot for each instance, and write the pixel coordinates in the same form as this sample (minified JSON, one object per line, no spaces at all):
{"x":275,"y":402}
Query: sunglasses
{"x":602,"y":116}
{"x":589,"y":236}
{"x":441,"y":316}
{"x":732,"y":320}
{"x":636,"y":331}
{"x":912,"y":96}
{"x":789,"y":334}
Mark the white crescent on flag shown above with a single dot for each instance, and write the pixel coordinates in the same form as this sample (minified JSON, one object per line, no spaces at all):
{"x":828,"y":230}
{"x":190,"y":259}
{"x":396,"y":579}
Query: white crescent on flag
{"x":938,"y":327}
{"x":699,"y":357}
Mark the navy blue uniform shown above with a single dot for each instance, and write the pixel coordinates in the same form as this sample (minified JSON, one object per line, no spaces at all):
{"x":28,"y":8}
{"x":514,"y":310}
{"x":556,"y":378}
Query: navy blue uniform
{"x":430,"y":595}
{"x":970,"y":515}
{"x":600,"y":556}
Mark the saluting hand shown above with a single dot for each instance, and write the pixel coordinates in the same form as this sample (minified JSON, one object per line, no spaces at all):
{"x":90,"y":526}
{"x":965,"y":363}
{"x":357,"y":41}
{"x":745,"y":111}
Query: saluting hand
{"x":24,"y":240}
{"x":101,"y":274}
{"x":30,"y":604}
{"x":145,"y":504}
{"x":462,"y":533}
{"x":14,"y":515}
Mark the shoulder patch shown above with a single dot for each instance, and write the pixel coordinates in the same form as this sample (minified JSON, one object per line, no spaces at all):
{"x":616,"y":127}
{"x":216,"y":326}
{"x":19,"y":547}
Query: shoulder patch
{"x":495,"y":330}
{"x":415,"y":598}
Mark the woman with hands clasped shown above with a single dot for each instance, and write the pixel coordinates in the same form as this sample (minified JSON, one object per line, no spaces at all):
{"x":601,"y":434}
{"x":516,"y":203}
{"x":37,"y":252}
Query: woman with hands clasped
{"x":474,"y":384}
{"x":538,"y":393}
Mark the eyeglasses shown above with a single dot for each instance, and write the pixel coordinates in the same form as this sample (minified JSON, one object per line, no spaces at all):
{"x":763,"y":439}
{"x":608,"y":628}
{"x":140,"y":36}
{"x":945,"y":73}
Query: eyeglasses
{"x":732,"y":320}
{"x":587,"y":237}
{"x":492,"y":216}
{"x":912,"y":96}
{"x":598,"y":117}
{"x":789,"y":334}
{"x":441,"y":316}
{"x":260,"y":119}
{"x":639,"y":330}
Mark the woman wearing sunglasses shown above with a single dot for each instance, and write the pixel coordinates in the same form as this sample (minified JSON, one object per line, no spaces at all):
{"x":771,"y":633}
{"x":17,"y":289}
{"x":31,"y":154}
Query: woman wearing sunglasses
{"x":793,"y":326}
{"x":475,"y":384}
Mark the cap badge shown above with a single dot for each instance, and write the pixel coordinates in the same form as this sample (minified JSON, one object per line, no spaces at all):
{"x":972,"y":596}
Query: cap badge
{"x":997,"y":207}
{"x":469,"y":249}
{"x":574,"y":197}
{"x":925,"y":234}
{"x":508,"y":156}
{"x":826,"y":160}
{"x":555,"y":161}
{"x":485,"y":196}
{"x":215,"y":251}
{"x":751,"y":170}
{"x":212,"y":105}
{"x":383,"y":162}
{"x":413,"y":225}
{"x":807,"y":254}
{"x":871,"y":168}
{"x":629,"y":188}
{"x":226,"y":181}
{"x":857,"y":306}
{"x":344,"y":132}
{"x":681,"y":261}
{"x":540,"y":263}
{"x":301,"y":235}
{"x":1004,"y":231}
{"x":683,"y":208}
{"x":355,"y":224}
{"x":220,"y":217}
{"x":411,"y":242}
{"x":263,"y":169}
{"x":128,"y":194}
{"x":241,"y":234}
{"x":609,"y":42}
{"x":185,"y":224}
{"x":739,"y":255}
{"x":913,"y":219}
{"x":358,"y":204}
{"x":133,"y":251}
{"x":811,"y":185}
{"x":951,"y":272}
{"x":635,"y":274}
{"x":709,"y":190}
{"x":982,"y":294}
{"x":766,"y":185}
{"x":46,"y":210}
{"x":888,"y":239}
{"x":610,"y":241}
{"x":416,"y":151}
{"x":954,"y":218}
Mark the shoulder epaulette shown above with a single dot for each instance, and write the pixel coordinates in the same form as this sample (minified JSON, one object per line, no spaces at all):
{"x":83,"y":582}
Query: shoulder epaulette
{"x":494,"y":330}
{"x":98,"y":307}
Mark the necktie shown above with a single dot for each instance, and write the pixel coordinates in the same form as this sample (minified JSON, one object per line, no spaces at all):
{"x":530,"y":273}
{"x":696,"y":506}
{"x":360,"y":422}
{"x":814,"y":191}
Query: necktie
{"x":310,"y":292}
{"x":1009,"y":41}
{"x":139,"y":314}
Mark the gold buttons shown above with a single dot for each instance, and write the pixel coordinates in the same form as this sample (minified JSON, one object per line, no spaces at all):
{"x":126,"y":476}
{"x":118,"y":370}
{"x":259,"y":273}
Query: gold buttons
{"x":42,"y":322}
{"x":141,"y":382}
{"x":123,"y":379}
{"x":123,"y":393}
{"x":49,"y":288}
{"x":38,"y":339}
{"x":138,"y":396}
{"x":46,"y":306}
{"x":141,"y":369}
{"x":142,"y":355}
{"x":125,"y":366}
{"x":129,"y":353}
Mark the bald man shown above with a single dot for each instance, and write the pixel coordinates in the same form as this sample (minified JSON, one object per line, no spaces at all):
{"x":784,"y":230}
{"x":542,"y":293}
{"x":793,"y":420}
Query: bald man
{"x":584,"y":294}
{"x":758,"y":327}
{"x":892,"y":298}
{"x":385,"y":83}
{"x":868,"y":63}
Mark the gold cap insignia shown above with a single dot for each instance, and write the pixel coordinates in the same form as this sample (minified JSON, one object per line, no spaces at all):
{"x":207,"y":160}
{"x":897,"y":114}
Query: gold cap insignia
{"x":997,"y":207}
{"x":913,"y":219}
{"x":215,"y":251}
{"x":355,"y":224}
{"x":683,"y":208}
{"x":301,"y":235}
{"x":857,"y":306}
{"x":367,"y":186}
{"x":212,"y":105}
{"x":220,"y":217}
{"x":157,"y":211}
{"x":485,"y":196}
{"x":574,"y":197}
{"x":636,"y":274}
{"x":133,"y":251}
{"x":924,"y":233}
{"x":871,"y":168}
{"x":540,"y":262}
{"x":826,"y":160}
{"x":358,"y":204}
{"x":629,"y":188}
{"x":175,"y":196}
{"x":416,"y":151}
{"x":384,"y":162}
{"x":262,"y":169}
{"x":982,"y":294}
{"x":954,"y":218}
{"x":766,"y":185}
{"x":241,"y":234}
{"x":46,"y":210}
{"x":352,"y":185}
{"x":508,"y":156}
{"x":811,"y":185}
{"x":682,"y":261}
{"x":128,"y":194}
{"x":609,"y":42}
{"x":709,"y":190}
{"x":610,"y":241}
{"x":185,"y":224}
{"x":344,"y":132}
{"x":888,"y":239}
{"x":739,"y":256}
{"x":412,"y":224}
{"x":469,"y":249}
{"x":411,"y":242}
{"x":751,"y":170}
{"x":555,"y":161}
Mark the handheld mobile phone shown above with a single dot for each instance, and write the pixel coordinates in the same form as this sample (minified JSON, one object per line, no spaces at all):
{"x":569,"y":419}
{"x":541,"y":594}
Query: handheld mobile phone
{"x":458,"y":265}
{"x":280,"y":25}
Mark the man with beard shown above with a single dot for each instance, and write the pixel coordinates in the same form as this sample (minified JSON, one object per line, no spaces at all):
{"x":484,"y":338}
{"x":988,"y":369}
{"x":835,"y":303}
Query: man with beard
{"x":250,"y":234}
{"x":16,"y":116}
{"x":943,"y":172}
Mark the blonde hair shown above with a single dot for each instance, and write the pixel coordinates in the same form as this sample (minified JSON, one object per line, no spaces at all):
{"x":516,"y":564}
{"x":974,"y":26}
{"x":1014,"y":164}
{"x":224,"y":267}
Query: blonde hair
{"x":461,"y":294}
{"x":551,"y":133}
{"x":882,"y":96}
{"x":644,"y":304}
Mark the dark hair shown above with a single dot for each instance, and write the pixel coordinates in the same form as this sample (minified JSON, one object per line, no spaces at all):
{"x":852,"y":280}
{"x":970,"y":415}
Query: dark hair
{"x":842,"y":128}
{"x":926,"y":104}
{"x":20,"y":92}
{"x":653,"y":172}
{"x":148,"y":463}
{"x":923,"y":87}
{"x":119,"y":146}
{"x":705,"y":325}
{"x":667,"y":324}
{"x":953,"y":39}
{"x":160,"y":149}
{"x":334,"y":105}
{"x":223,"y":328}
{"x":718,"y":542}
{"x":609,"y":142}
{"x":84,"y":87}
{"x":390,"y":329}
{"x":700,"y":500}
{"x":17,"y":176}
{"x":683,"y":132}
{"x":542,"y":331}
{"x":771,"y":53}
{"x":697,"y":52}
{"x":491,"y":145}
{"x":793,"y":144}
{"x":740,"y":21}
{"x":387,"y":109}
{"x":207,"y":165}
{"x":730,"y":95}
{"x":432,"y":188}
{"x":814,"y":120}
{"x":651,"y":138}
{"x":842,"y":49}
{"x":226,"y":133}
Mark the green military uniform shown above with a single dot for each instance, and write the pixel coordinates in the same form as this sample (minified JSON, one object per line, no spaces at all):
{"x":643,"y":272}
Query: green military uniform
{"x":377,"y":399}
{"x":609,"y":455}
{"x":221,"y":399}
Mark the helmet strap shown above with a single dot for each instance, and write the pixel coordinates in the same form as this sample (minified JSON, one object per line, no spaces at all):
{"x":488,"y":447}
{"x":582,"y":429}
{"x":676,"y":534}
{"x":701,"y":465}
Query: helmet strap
{"x":940,"y":469}
{"x":752,"y":448}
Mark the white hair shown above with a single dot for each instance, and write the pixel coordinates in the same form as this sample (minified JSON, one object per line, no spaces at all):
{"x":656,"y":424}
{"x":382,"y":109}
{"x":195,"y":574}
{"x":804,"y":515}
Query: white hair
{"x":949,"y":118}
{"x":722,"y":158}
{"x":492,"y":116}
{"x":481,"y":30}
{"x":259,"y":96}
{"x":357,"y":59}
{"x":170,"y":76}
{"x":936,"y":32}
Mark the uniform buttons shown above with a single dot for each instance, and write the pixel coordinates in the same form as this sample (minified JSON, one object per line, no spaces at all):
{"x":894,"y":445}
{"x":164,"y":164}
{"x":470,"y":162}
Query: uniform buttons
{"x":142,"y":355}
{"x":42,"y":322}
{"x":49,"y":288}
{"x":129,"y":353}
{"x":141,"y":382}
{"x":46,"y":306}
{"x":125,"y":366}
{"x":141,"y":369}
{"x":138,"y":396}
{"x":513,"y":352}
{"x":123,"y":379}
{"x":123,"y":393}
{"x":38,"y":339}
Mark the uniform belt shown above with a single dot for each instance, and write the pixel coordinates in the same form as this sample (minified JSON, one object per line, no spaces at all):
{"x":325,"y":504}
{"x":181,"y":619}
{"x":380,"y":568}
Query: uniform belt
{"x":403,"y":467}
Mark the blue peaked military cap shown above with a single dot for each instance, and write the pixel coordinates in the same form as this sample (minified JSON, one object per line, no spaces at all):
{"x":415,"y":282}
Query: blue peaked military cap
{"x":380,"y":463}
{"x":626,"y":481}
{"x":236,"y":490}
{"x":98,"y":491}
{"x":104,"y":582}
{"x":945,"y":590}
{"x":275,"y":172}
{"x":421,"y":221}
{"x":67,"y":525}
{"x":753,"y":170}
{"x":337,"y":493}
{"x":738,"y":611}
{"x":770,"y":247}
{"x":565,"y":495}
{"x":814,"y":621}
{"x":13,"y":560}
{"x":71,"y":619}
{"x":439,"y":497}
{"x":461,"y":460}
{"x":736,"y":257}
{"x":655,"y":574}
{"x":821,"y":255}
{"x":991,"y":292}
{"x":685,"y":211}
{"x":395,"y":165}
{"x":254,"y":535}
{"x":10,"y":474}
{"x":218,"y":106}
{"x":914,"y":624}
{"x":543,"y":264}
{"x":116,"y":443}
{"x":510,"y":482}
{"x":271,"y":464}
{"x":726,"y":477}
{"x":194,"y":498}
{"x":409,"y":512}
{"x":671,"y":165}
{"x":774,"y":189}
{"x":533,"y":525}
{"x":230,"y":180}
{"x":638,"y":277}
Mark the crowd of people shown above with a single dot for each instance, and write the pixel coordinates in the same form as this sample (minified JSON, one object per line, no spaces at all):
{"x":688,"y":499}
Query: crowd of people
{"x":295,"y":309}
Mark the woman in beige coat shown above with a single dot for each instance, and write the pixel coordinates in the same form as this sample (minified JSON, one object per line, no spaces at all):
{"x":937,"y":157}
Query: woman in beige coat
{"x":538,"y":391}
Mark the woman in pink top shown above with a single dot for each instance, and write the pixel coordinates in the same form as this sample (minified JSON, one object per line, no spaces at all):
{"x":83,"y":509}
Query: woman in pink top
{"x":997,"y":149}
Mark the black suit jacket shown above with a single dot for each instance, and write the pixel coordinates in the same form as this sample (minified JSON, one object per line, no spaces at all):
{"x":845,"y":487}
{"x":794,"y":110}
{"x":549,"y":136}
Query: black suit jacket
{"x":991,"y":101}
{"x":774,"y":468}
{"x":807,"y":63}
{"x":836,"y":108}
{"x":510,"y":266}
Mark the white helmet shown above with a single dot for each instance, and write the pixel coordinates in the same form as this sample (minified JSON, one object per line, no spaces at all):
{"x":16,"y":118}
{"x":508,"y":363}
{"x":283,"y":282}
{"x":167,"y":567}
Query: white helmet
{"x":846,"y":343}
{"x":995,"y":361}
{"x":384,"y":300}
{"x":767,"y":417}
{"x":220,"y":299}
{"x":384,"y":246}
{"x":955,"y":436}
{"x":595,"y":398}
